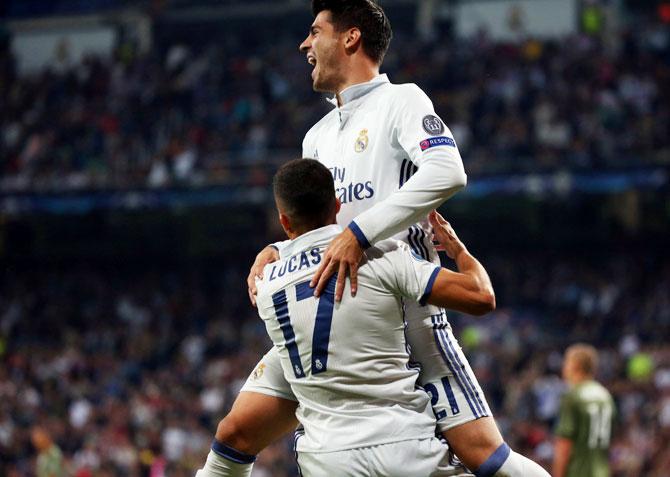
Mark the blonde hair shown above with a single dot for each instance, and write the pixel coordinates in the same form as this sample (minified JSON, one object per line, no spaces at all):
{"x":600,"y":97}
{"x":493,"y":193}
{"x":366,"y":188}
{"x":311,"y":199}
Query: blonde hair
{"x":585,"y":357}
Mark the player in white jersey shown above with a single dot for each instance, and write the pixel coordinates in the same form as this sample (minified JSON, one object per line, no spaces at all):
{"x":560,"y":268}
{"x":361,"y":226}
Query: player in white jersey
{"x":393,"y":161}
{"x":347,"y":363}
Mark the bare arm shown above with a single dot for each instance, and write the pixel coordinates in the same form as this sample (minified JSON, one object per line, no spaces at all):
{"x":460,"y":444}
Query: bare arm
{"x":268,"y":255}
{"x":469,"y":290}
{"x":562,"y":452}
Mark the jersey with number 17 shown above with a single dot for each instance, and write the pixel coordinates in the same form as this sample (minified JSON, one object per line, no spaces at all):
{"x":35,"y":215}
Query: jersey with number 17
{"x":347,"y":362}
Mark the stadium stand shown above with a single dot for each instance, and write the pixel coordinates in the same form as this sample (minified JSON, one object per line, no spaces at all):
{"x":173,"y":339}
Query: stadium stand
{"x":190,"y":116}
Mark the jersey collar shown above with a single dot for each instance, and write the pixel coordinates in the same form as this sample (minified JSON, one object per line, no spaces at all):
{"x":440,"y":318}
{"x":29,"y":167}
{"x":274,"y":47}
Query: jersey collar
{"x":313,"y":237}
{"x":355,"y":91}
{"x":349,"y":95}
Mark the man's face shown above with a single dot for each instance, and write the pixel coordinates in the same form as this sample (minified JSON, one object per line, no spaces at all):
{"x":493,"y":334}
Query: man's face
{"x":324,"y":48}
{"x":568,"y":366}
{"x":40,"y":439}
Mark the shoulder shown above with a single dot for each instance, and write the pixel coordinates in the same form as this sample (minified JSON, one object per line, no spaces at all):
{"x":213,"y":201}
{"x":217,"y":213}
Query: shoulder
{"x":596,"y":391}
{"x":267,"y":287}
{"x":387,"y":253}
{"x":405,"y":93}
{"x":568,"y":398}
{"x":385,"y":246}
{"x":382,"y":264}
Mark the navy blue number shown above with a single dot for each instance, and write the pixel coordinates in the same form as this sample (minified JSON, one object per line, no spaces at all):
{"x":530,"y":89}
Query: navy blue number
{"x":281,"y":309}
{"x":431,"y":389}
{"x":322,"y":325}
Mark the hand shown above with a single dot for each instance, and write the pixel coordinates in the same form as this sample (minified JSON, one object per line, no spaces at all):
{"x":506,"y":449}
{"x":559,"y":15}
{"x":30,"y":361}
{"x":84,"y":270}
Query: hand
{"x":445,"y":235}
{"x":343,"y":255}
{"x":267,"y":255}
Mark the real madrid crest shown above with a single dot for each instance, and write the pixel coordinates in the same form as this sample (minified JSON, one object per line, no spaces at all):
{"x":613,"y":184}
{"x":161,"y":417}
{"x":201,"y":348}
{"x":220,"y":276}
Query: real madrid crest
{"x":361,"y":141}
{"x":258,"y":372}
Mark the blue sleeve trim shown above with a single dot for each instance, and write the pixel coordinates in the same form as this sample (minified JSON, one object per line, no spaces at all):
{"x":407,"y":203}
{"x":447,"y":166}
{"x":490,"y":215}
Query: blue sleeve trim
{"x":274,"y":246}
{"x":360,"y":236}
{"x":429,"y":286}
{"x":494,"y":462}
{"x":231,"y":454}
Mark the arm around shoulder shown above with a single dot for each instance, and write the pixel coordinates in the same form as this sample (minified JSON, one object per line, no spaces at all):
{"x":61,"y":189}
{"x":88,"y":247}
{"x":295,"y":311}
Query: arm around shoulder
{"x":469,"y":290}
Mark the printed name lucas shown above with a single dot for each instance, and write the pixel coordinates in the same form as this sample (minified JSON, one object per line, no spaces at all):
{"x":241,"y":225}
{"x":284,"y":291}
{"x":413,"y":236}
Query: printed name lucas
{"x":291,"y":265}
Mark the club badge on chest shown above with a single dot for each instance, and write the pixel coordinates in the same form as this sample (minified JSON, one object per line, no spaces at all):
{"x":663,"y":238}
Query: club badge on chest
{"x":361,"y":142}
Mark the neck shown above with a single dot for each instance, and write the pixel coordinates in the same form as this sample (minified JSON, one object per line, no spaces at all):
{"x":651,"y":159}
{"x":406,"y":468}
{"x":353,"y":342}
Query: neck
{"x":356,"y":77}
{"x":578,"y":379}
{"x":294,"y":234}
{"x":297,"y":232}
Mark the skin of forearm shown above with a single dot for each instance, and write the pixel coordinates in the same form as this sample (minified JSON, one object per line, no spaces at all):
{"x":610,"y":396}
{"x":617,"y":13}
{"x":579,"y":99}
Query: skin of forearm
{"x":469,"y":265}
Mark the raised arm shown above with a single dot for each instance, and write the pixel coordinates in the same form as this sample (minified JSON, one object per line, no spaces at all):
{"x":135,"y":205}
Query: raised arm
{"x":429,"y":144}
{"x":469,"y":290}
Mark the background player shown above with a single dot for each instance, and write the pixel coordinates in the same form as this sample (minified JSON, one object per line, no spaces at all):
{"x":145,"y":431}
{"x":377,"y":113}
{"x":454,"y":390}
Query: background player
{"x":585,"y":421}
{"x":393,"y":161}
{"x":50,"y":458}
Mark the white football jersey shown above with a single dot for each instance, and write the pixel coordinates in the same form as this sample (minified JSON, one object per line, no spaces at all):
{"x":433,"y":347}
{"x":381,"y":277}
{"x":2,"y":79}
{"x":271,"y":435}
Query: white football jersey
{"x":347,"y":362}
{"x":392,"y":159}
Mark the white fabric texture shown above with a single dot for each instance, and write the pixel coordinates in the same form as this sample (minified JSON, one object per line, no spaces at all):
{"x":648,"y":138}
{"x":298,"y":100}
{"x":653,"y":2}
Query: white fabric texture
{"x":373,"y":144}
{"x":416,"y":458}
{"x":517,"y":465}
{"x":360,"y":391}
{"x":217,"y":466}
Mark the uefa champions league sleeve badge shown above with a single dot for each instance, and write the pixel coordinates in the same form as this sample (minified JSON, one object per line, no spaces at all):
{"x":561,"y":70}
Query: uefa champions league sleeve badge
{"x":432,"y":125}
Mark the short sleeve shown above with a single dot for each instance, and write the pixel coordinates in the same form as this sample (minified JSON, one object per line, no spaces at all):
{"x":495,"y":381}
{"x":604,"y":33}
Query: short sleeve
{"x":566,"y":426}
{"x":404,"y":272}
{"x":417,"y":128}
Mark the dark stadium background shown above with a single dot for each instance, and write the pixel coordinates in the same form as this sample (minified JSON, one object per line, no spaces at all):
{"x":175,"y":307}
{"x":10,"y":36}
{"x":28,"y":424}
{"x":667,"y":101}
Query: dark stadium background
{"x":134,"y":194}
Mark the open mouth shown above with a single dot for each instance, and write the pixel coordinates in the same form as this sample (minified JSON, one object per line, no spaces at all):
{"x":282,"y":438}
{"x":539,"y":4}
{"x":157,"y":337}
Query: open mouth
{"x":312,"y":61}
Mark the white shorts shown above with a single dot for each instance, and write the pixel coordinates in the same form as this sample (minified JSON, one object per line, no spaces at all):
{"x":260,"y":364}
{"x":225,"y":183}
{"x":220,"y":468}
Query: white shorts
{"x":268,"y":378}
{"x":416,"y":458}
{"x":445,"y":374}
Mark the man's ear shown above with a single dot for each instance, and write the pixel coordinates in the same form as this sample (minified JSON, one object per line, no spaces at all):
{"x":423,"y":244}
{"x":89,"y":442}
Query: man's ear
{"x":338,"y":206}
{"x":285,"y":223}
{"x":352,"y":39}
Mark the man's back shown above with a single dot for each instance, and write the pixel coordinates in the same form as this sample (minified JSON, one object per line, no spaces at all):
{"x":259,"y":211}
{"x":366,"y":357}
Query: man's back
{"x":50,"y":462}
{"x":347,"y":363}
{"x":586,"y":417}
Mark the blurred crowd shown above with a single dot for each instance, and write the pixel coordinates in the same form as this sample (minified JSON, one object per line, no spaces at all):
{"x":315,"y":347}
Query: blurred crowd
{"x":128,"y":368}
{"x":218,"y":113}
{"x":129,"y":372}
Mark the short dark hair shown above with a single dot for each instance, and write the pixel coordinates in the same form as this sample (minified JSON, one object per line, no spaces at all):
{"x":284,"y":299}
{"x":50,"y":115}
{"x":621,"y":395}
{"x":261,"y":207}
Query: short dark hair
{"x":306,"y":191}
{"x":365,"y":15}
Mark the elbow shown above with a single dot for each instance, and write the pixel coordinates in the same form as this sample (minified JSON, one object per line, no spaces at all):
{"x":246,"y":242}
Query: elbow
{"x":491,"y":301}
{"x":458,"y":182}
{"x":462,"y":180}
{"x":486,"y":303}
